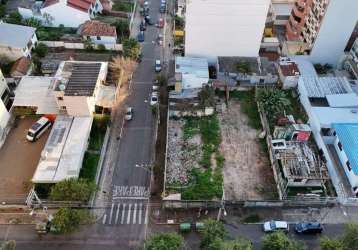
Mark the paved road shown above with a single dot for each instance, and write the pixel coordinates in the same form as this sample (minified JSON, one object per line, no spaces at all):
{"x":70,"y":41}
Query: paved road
{"x":128,"y":209}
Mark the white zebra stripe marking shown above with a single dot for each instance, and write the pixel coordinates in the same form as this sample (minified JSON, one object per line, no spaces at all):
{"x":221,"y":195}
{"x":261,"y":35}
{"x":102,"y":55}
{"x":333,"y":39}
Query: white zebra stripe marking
{"x":104,"y":218}
{"x":123,"y":210}
{"x":129,"y":213}
{"x":117,"y":213}
{"x":111,"y":214}
{"x":140,"y":213}
{"x":135,"y":214}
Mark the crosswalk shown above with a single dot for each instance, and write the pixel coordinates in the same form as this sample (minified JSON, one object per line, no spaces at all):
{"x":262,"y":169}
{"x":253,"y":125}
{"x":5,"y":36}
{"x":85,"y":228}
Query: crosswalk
{"x":126,"y":213}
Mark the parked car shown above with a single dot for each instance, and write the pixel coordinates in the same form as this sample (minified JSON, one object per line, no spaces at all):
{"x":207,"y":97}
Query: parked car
{"x":163,"y":1}
{"x":148,"y":20}
{"x":129,"y":114}
{"x":38,"y":128}
{"x":160,"y":23}
{"x":158,"y":66}
{"x":272,"y":226}
{"x":140,"y":37}
{"x":155,"y":87}
{"x":143,"y":25}
{"x":162,"y":8}
{"x":308,"y":228}
{"x":154,"y":98}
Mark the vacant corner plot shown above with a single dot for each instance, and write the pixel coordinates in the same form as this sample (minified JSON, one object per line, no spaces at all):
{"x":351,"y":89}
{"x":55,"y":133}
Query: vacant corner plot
{"x":18,"y":160}
{"x":247,"y":171}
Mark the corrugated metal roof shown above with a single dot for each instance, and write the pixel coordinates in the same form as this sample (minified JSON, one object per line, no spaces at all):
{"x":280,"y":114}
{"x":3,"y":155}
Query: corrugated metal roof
{"x":348,"y":136}
{"x":323,"y":86}
{"x":343,"y":100}
{"x":192,"y":65}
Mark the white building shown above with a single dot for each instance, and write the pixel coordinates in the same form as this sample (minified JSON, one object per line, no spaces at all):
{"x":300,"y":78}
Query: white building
{"x":351,"y":61}
{"x":191,"y":72}
{"x":4,"y":113}
{"x":78,"y":89}
{"x":329,"y":101}
{"x":70,"y":13}
{"x":16,"y":41}
{"x":224,"y":28}
{"x":98,"y":32}
{"x":63,"y":153}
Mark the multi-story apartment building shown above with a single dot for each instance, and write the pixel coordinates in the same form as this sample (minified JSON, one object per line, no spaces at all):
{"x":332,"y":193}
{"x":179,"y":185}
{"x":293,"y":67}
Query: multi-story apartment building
{"x":224,"y":27}
{"x":351,"y":60}
{"x":322,"y":26}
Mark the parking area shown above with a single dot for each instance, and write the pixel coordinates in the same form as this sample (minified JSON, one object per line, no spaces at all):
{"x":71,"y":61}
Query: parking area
{"x":247,"y":171}
{"x":19,"y":159}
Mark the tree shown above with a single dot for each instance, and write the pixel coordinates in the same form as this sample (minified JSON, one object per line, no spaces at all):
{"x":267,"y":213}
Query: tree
{"x":279,"y":241}
{"x":14,"y":18}
{"x":41,"y":50}
{"x":2,"y":10}
{"x":206,"y":97}
{"x":122,"y":29}
{"x":101,"y":47}
{"x":88,"y":45}
{"x":32,"y":22}
{"x":238,"y":244}
{"x":273,"y":101}
{"x":72,"y":190}
{"x":122,"y":68}
{"x":67,"y":220}
{"x":131,"y":48}
{"x":350,"y":237}
{"x":212,"y":233}
{"x":164,"y":241}
{"x":8,"y":245}
{"x":330,"y":244}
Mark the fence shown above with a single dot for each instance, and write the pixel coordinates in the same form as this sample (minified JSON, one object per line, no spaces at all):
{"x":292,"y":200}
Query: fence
{"x":59,"y":44}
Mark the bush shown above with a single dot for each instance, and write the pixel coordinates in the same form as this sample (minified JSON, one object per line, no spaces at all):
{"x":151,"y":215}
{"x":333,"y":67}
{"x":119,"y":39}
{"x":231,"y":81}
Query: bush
{"x":41,"y":50}
{"x":131,"y":48}
{"x":164,"y":241}
{"x":72,"y":190}
{"x":67,"y":220}
{"x":101,"y":47}
{"x":213,"y":231}
{"x":14,"y":18}
{"x":122,"y":29}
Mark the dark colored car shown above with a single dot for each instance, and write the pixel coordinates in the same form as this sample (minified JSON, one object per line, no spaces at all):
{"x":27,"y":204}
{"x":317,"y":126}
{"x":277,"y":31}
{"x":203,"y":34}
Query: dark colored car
{"x":308,"y":228}
{"x":148,"y":20}
{"x":140,"y":37}
{"x":142,"y":26}
{"x":162,"y":8}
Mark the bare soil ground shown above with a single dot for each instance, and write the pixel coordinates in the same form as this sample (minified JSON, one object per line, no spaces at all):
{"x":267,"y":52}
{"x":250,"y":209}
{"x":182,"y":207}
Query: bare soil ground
{"x":18,"y":160}
{"x":247,"y":171}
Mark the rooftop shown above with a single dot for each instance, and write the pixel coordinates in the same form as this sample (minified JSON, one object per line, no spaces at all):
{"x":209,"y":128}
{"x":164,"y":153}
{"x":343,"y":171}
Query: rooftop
{"x":320,"y":87}
{"x":36,"y":91}
{"x":348,"y":136}
{"x":328,"y":116}
{"x":289,"y":69}
{"x":63,"y":153}
{"x":82,"y":5}
{"x":15,"y":36}
{"x":192,"y":65}
{"x":97,"y":28}
{"x":256,"y":65}
{"x":80,"y":78}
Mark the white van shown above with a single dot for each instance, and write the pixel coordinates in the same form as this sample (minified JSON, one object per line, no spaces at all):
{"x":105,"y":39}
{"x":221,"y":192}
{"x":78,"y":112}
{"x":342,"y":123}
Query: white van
{"x":38,"y":128}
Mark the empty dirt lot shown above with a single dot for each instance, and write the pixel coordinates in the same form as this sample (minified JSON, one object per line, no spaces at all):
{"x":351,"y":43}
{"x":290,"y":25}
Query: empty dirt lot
{"x":18,"y":160}
{"x":247,"y":172}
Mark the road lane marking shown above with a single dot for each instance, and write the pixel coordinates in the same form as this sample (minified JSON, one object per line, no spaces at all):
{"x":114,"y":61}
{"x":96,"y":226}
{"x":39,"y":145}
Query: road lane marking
{"x":110,"y":214}
{"x":146,"y":216}
{"x":135,"y":214}
{"x":140,"y":213}
{"x":129,"y":213}
{"x":117,"y":213}
{"x":130,"y":198}
{"x":104,"y":218}
{"x":123,"y":211}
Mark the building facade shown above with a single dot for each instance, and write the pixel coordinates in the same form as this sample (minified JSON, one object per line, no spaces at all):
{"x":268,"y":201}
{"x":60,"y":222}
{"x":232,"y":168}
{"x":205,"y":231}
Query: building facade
{"x":4,"y":112}
{"x":224,"y":28}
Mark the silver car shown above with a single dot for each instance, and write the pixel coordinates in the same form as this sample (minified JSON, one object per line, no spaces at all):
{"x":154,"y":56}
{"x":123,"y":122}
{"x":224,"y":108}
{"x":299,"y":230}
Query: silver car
{"x":129,"y":114}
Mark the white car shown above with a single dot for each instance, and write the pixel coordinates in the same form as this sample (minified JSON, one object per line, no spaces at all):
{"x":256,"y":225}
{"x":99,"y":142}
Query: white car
{"x":272,"y":226}
{"x":158,"y":66}
{"x":154,"y":98}
{"x":129,"y":114}
{"x":155,"y":88}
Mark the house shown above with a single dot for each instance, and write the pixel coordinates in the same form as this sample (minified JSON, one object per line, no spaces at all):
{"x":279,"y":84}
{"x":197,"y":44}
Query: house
{"x":331,"y":104}
{"x":21,"y":67}
{"x":4,"y":108}
{"x":98,"y":32}
{"x":77,"y":89}
{"x":248,"y":71}
{"x":288,"y":72}
{"x":16,"y":41}
{"x":70,"y":13}
{"x":64,"y":151}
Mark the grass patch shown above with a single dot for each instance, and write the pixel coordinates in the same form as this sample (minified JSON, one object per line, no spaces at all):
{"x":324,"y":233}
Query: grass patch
{"x":98,"y":132}
{"x":89,"y":166}
{"x":53,"y":33}
{"x":207,"y":184}
{"x":253,"y":218}
{"x":248,"y":106}
{"x":123,"y":6}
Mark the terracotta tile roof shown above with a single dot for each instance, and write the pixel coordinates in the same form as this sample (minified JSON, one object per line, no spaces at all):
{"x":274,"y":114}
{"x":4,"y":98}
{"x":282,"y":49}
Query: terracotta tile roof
{"x":96,"y":28}
{"x":289,"y":69}
{"x":82,"y":5}
{"x":49,"y":3}
{"x":21,"y":66}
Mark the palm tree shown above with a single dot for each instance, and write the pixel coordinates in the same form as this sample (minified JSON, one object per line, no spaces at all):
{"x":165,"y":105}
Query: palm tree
{"x":273,"y":101}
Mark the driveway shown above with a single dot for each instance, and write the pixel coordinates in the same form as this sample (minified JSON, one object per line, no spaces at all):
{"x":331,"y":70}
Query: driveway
{"x":19,"y":159}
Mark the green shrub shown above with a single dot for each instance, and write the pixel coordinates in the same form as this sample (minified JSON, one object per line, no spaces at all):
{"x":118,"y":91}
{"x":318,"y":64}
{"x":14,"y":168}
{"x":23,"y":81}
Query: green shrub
{"x":41,"y":50}
{"x":101,"y":47}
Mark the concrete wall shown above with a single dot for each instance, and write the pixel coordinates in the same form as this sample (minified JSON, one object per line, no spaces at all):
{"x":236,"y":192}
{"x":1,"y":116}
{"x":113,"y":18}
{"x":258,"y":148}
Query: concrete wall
{"x":56,"y":44}
{"x":104,"y":40}
{"x":224,"y":27}
{"x":335,"y":31}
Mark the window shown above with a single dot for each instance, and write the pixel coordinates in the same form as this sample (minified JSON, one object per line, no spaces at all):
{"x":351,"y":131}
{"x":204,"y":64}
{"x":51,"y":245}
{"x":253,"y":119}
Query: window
{"x":60,"y":98}
{"x":63,"y":107}
{"x":98,"y":38}
{"x":348,"y":166}
{"x":340,"y":145}
{"x":88,"y":37}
